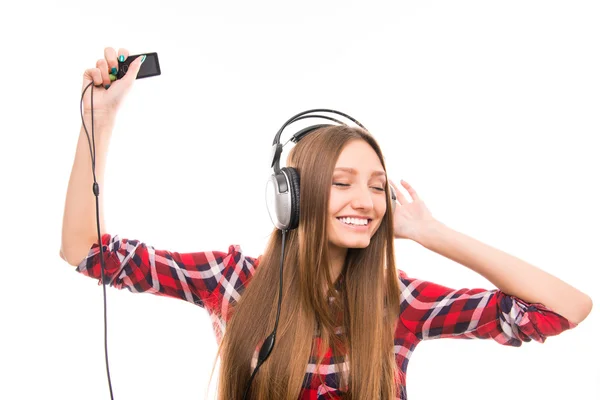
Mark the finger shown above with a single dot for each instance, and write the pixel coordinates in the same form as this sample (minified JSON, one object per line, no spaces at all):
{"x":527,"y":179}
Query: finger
{"x":92,"y":75}
{"x":410,"y":190}
{"x":133,"y":70}
{"x":103,"y":67}
{"x":123,"y":54}
{"x":110,"y":55}
{"x":401,"y":199}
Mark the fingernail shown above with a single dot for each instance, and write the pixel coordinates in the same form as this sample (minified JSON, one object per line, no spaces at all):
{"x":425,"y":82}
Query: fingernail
{"x":143,"y":59}
{"x":107,"y":86}
{"x":112,"y":77}
{"x":121,"y":58}
{"x":114,"y":71}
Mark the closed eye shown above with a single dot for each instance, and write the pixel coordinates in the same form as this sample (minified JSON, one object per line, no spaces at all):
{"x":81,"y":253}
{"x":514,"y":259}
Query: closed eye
{"x":380,"y":189}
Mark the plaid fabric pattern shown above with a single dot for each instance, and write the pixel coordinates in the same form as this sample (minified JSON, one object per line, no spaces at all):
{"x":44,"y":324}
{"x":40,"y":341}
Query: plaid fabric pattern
{"x":213,"y":279}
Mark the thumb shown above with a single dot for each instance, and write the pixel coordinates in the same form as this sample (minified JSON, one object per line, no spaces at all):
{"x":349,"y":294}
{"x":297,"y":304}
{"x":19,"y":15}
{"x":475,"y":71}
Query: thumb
{"x":134,"y":68}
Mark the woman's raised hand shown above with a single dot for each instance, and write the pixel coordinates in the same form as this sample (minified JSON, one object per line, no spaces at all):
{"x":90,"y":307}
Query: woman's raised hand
{"x":410,"y":217}
{"x":108,"y":94}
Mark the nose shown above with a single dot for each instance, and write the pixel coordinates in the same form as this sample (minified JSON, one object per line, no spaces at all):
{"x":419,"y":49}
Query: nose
{"x":362,"y":199}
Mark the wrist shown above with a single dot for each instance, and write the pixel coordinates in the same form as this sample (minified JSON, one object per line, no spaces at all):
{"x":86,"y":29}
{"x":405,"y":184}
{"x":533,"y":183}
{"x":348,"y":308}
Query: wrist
{"x":102,"y":121}
{"x":428,"y":232}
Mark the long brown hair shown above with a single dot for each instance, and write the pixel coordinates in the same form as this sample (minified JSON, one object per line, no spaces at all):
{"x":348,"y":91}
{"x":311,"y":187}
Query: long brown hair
{"x":366,"y":306}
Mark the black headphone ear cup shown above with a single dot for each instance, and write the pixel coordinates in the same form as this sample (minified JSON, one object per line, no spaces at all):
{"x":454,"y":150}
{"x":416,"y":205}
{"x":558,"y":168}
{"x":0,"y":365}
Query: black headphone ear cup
{"x":394,"y":198}
{"x":294,"y":179}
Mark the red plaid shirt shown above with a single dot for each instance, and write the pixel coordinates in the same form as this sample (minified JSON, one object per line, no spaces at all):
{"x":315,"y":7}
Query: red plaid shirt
{"x":213,"y":279}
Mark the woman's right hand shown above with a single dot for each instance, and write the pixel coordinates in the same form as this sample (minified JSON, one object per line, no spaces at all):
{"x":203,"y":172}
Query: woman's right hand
{"x":108,"y":101}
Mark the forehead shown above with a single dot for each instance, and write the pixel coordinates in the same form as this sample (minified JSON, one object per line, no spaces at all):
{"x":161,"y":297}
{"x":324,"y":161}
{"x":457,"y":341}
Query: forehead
{"x":359,"y":155}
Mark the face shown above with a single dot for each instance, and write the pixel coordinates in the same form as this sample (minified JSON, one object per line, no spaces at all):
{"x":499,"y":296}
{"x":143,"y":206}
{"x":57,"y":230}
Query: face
{"x":357,"y":201}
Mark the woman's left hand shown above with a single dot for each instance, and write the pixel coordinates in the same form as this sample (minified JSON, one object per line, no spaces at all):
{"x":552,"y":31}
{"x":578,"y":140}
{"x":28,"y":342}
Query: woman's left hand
{"x":409,"y":217}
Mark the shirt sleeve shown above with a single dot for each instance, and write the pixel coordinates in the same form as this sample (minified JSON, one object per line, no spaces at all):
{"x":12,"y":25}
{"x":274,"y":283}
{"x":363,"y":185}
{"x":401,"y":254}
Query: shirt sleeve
{"x":202,"y":278}
{"x":433,"y":311}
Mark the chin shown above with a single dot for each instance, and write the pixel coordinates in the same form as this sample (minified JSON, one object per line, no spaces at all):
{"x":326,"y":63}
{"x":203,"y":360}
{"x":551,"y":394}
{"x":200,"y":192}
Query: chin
{"x":353,"y":243}
{"x":361,"y":245}
{"x":343,"y":238}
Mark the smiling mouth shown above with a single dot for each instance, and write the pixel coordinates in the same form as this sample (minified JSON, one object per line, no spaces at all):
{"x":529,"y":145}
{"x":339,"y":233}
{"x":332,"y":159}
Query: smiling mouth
{"x":355,"y":222}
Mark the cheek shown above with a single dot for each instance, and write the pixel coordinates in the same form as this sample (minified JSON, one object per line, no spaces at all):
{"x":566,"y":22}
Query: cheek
{"x":336,"y":202}
{"x":380,"y":206}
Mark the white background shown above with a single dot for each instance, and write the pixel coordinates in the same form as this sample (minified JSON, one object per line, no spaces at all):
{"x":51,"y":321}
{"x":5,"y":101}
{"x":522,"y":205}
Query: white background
{"x":489,"y":109}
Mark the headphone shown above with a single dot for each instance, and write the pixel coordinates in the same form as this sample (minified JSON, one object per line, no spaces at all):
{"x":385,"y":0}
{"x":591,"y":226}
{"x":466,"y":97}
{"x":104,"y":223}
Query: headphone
{"x":282,"y":193}
{"x":283,"y":203}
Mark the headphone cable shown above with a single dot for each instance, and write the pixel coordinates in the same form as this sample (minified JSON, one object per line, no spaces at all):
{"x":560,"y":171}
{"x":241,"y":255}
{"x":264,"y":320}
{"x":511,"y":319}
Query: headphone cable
{"x":96,"y":190}
{"x":269,"y":342}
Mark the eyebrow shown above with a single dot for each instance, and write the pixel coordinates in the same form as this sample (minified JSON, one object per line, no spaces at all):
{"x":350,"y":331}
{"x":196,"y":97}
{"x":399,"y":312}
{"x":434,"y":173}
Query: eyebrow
{"x":354,"y":172}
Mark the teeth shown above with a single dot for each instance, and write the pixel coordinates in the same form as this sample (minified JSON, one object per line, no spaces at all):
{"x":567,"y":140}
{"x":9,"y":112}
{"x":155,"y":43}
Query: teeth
{"x":354,"y":221}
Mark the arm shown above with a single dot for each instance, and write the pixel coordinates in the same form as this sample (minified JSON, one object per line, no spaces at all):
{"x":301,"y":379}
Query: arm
{"x":432,"y":311}
{"x":209,"y":279}
{"x":508,"y":273}
{"x":79,"y":229}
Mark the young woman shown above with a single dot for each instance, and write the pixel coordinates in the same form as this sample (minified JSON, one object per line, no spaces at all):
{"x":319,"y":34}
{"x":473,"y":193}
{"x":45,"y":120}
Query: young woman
{"x":349,"y":320}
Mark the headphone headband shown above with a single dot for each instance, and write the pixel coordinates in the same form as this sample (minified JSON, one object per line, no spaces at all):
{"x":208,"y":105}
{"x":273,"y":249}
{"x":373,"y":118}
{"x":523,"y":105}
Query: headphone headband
{"x":297,"y":117}
{"x":278,"y":147}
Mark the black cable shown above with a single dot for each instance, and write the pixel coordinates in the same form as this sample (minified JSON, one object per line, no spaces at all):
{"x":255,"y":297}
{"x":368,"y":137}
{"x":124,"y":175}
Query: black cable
{"x":267,"y":346}
{"x":96,"y":190}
